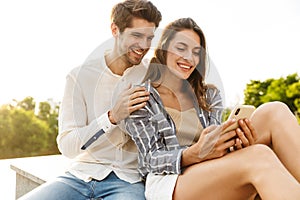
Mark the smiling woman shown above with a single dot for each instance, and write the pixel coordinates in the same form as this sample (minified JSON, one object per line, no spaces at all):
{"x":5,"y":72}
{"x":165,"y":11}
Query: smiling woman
{"x":181,"y":139}
{"x":184,"y":49}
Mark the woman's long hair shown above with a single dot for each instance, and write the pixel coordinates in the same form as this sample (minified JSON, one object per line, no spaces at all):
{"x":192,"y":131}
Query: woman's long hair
{"x":158,"y":66}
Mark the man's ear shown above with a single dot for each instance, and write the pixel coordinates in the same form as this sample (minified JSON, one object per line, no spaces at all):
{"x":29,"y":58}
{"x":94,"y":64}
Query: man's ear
{"x":114,"y":29}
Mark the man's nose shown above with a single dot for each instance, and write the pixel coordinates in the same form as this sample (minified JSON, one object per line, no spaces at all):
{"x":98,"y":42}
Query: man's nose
{"x":145,"y":43}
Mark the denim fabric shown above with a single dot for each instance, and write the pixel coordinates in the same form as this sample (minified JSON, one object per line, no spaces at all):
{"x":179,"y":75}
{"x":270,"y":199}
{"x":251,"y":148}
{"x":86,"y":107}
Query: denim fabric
{"x":69,"y":187}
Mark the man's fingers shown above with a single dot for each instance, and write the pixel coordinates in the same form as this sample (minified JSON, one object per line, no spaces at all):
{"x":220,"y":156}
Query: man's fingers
{"x":136,"y":107}
{"x":129,"y":90}
{"x":138,"y":100}
{"x":139,"y":94}
{"x":136,"y":89}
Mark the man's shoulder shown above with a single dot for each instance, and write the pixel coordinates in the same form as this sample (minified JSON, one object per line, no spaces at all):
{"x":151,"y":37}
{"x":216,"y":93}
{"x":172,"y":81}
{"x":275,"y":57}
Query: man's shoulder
{"x":94,"y":65}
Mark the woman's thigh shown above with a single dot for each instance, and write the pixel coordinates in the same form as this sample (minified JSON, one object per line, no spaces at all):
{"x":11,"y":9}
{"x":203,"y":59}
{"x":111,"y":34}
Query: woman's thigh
{"x":223,"y":178}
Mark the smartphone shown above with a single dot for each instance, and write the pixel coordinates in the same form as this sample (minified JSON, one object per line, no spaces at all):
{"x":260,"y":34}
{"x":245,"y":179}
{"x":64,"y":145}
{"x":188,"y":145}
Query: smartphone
{"x":239,"y":112}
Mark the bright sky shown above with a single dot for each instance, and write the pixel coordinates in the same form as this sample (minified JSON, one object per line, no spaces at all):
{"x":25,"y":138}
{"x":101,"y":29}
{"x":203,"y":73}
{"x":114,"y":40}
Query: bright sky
{"x":42,"y":40}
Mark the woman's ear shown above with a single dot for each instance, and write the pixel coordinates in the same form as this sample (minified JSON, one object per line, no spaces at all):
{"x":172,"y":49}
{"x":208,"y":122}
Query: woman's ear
{"x":114,"y":29}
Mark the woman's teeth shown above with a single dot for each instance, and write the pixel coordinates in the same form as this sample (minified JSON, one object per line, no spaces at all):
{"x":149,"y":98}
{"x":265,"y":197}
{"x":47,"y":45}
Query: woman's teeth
{"x":184,"y":66}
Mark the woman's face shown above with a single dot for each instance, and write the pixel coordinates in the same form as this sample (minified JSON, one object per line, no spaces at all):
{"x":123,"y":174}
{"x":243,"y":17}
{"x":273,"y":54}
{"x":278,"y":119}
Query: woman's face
{"x":183,"y":53}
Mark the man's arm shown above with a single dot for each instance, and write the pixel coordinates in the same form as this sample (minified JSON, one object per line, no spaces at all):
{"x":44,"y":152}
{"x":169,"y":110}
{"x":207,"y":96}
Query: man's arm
{"x":74,"y":131}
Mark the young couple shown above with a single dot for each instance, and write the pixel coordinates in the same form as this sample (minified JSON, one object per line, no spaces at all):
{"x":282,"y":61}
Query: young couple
{"x":174,"y":121}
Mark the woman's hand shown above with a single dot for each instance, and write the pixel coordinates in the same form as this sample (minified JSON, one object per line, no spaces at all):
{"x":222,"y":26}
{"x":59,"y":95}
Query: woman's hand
{"x":246,"y":134}
{"x":211,"y":144}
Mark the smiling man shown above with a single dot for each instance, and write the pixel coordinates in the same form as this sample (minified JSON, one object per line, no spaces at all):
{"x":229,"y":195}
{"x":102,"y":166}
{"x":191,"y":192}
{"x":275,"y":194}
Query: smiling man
{"x":104,"y":157}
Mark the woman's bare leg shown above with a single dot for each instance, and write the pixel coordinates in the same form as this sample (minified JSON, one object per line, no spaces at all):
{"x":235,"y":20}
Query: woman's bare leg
{"x":238,"y":175}
{"x":278,"y":128}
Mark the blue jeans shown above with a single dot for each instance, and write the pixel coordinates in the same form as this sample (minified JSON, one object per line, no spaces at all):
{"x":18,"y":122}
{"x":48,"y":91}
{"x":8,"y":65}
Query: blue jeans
{"x":69,"y":187}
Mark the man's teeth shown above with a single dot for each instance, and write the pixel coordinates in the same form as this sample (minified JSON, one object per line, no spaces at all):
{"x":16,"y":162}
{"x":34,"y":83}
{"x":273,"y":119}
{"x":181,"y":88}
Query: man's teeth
{"x":137,"y":52}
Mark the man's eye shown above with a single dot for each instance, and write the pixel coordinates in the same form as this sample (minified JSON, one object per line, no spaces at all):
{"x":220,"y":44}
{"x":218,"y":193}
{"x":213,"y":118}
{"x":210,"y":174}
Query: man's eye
{"x":150,"y":38}
{"x":136,"y":35}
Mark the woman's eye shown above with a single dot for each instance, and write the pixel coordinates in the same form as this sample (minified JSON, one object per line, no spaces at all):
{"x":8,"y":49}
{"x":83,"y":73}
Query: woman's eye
{"x":180,"y":49}
{"x":196,"y":53}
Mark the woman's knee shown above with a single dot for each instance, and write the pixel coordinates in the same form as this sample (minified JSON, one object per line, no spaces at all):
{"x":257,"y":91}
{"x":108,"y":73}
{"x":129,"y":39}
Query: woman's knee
{"x":262,"y":155}
{"x":272,"y":109}
{"x":267,"y":118}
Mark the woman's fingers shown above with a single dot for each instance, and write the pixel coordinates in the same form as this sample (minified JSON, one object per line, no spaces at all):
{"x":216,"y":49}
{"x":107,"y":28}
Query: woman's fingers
{"x":251,"y":130}
{"x":242,"y":136}
{"x":246,"y":132}
{"x":238,"y":144}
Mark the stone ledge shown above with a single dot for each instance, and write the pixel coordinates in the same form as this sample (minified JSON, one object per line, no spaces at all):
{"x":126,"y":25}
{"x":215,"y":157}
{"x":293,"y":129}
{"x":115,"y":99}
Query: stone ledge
{"x":34,"y":171}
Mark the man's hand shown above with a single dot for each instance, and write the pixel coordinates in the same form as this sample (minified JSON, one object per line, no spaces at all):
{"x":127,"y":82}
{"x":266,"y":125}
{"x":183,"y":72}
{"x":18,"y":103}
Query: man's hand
{"x":130,"y":100}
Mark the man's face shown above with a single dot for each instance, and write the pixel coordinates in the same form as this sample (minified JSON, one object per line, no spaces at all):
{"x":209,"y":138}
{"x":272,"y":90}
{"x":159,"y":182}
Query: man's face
{"x":135,"y":42}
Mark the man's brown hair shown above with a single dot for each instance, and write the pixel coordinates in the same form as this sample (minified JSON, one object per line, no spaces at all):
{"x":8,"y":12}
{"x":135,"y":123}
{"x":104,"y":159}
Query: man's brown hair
{"x":123,"y":13}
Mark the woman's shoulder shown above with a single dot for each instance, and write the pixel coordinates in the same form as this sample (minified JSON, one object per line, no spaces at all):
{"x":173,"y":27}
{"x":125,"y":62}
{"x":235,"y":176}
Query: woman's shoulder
{"x":155,"y":98}
{"x":210,"y":86}
{"x":212,"y":89}
{"x":150,"y":88}
{"x":212,"y":93}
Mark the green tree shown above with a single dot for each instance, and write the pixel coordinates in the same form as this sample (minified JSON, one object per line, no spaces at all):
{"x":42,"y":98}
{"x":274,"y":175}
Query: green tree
{"x":50,"y":116}
{"x":255,"y":91}
{"x":27,"y":104}
{"x":6,"y":129}
{"x":226,"y":114}
{"x":30,"y":134}
{"x":285,"y":89}
{"x":23,"y":133}
{"x":44,"y":111}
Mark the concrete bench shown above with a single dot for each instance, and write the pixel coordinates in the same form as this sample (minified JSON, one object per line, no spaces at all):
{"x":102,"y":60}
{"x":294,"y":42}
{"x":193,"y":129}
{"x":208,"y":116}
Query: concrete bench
{"x":34,"y":171}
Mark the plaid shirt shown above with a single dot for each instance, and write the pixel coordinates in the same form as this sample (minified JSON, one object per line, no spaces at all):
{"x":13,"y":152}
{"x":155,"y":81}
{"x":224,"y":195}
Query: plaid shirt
{"x":154,"y":133}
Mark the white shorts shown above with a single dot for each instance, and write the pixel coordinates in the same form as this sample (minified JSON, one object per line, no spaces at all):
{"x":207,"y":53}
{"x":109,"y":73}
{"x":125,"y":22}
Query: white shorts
{"x":160,"y":187}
